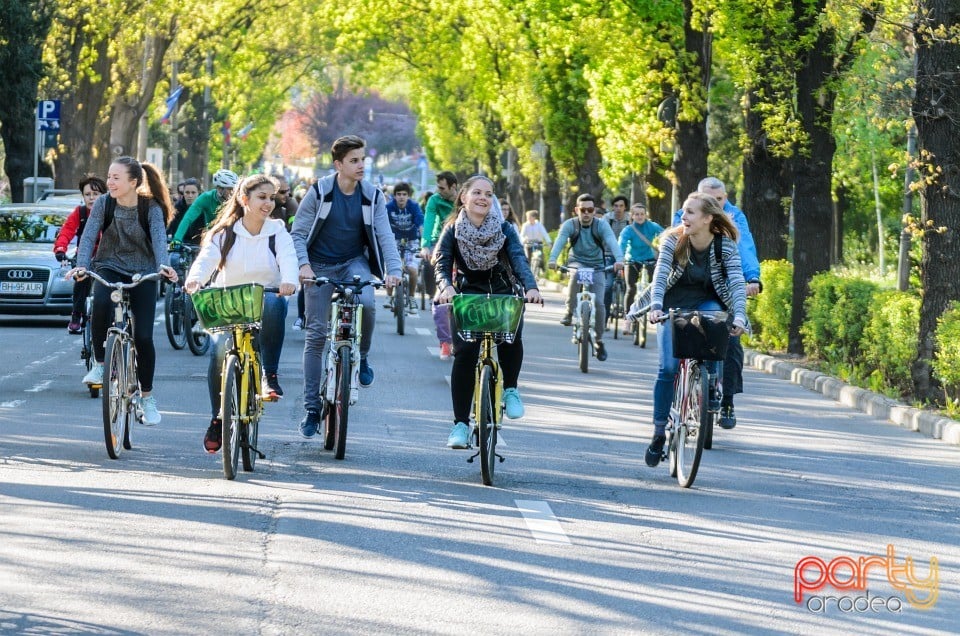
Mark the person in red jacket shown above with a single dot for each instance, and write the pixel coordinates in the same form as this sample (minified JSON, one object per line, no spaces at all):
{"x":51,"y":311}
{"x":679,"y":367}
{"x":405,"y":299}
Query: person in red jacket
{"x":91,"y":187}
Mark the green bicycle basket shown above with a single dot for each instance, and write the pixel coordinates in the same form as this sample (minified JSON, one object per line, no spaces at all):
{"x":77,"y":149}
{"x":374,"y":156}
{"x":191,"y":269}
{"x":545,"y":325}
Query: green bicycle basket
{"x":496,"y":314}
{"x":220,"y":308}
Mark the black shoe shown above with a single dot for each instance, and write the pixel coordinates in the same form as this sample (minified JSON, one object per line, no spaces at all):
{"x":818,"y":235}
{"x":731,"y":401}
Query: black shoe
{"x":728,"y":418}
{"x":310,"y":424}
{"x":601,"y":352}
{"x":655,"y":451}
{"x":566,"y":321}
{"x":214,"y":437}
{"x":271,"y":390}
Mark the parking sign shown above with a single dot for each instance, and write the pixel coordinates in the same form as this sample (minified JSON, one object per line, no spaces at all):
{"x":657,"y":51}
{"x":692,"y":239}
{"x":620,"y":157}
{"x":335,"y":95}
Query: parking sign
{"x":48,"y":114}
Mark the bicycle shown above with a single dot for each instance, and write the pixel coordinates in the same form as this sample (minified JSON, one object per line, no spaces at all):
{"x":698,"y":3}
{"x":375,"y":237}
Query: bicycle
{"x":401,"y":302}
{"x":86,"y":332}
{"x":341,"y":386}
{"x":423,"y":270}
{"x":534,"y":251}
{"x":617,"y":310}
{"x":237,"y":310}
{"x":583,"y":335}
{"x":121,"y":389}
{"x":698,"y":336}
{"x":492,"y":319}
{"x":179,"y":314}
{"x":639,"y":326}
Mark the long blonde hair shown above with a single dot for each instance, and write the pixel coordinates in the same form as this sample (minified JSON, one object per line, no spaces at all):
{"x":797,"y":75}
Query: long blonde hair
{"x":720,"y":224}
{"x":232,"y":211}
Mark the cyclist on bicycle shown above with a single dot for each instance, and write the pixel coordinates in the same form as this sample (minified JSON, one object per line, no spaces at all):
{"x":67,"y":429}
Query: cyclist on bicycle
{"x":341,"y":230}
{"x":246,"y":245}
{"x":588,"y":239}
{"x":91,"y":187}
{"x":698,"y":268}
{"x":534,"y":235}
{"x":132,"y":229}
{"x":406,"y":221}
{"x":636,"y":242}
{"x":489,"y":259}
{"x":207,"y":204}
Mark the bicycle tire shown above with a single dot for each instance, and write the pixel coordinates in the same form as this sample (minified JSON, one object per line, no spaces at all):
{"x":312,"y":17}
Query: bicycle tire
{"x":133,"y":388}
{"x":341,"y":402}
{"x":422,"y":284}
{"x":400,"y":303}
{"x":198,"y":342}
{"x":230,"y":416}
{"x":691,"y":432}
{"x":173,"y":315}
{"x":487,"y":425}
{"x":251,"y":432}
{"x":640,"y":332}
{"x":708,"y":433}
{"x":115,"y":412}
{"x":86,"y":352}
{"x":584,"y":345}
{"x":616,"y":307}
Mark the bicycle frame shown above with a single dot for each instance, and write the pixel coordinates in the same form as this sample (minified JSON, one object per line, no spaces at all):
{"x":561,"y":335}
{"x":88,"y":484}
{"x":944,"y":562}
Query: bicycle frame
{"x":488,"y":359}
{"x":346,"y":316}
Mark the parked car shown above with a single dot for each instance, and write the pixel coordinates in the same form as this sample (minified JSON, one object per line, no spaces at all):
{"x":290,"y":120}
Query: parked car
{"x":31,"y":279}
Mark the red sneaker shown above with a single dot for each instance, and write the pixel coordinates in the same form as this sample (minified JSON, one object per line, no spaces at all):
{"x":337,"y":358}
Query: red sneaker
{"x":446,"y":350}
{"x":214,"y":437}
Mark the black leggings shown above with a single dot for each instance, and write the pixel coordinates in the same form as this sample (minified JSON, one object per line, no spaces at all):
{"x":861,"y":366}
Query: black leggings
{"x":81,"y":289}
{"x":143,"y":306}
{"x":465,"y":355}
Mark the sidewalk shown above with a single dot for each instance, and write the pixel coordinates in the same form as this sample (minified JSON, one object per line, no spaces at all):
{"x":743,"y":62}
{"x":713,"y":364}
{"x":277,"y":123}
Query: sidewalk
{"x":928,"y":423}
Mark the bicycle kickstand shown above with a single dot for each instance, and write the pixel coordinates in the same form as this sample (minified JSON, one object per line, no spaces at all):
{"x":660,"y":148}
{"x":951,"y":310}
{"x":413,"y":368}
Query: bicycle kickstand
{"x":254,"y":449}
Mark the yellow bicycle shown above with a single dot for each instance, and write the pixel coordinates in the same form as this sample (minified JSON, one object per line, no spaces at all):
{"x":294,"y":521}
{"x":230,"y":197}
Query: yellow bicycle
{"x":237,"y":310}
{"x":492,"y":319}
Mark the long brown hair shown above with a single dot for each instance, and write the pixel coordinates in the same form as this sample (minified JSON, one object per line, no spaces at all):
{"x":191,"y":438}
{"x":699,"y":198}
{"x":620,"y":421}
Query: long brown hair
{"x":232,"y":211}
{"x":155,"y":188}
{"x":720,"y":224}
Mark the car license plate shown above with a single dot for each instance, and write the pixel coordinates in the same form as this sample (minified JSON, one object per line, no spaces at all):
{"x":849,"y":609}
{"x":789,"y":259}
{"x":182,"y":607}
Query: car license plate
{"x":21,"y":289}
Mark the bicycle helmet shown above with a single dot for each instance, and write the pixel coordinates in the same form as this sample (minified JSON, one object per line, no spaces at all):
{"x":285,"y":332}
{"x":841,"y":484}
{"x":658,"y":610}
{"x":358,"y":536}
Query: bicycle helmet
{"x":225,"y":179}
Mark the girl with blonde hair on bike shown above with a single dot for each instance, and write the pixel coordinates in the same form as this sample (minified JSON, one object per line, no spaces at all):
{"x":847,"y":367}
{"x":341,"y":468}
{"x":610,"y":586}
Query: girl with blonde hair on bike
{"x":246,"y":245}
{"x":489,"y":257}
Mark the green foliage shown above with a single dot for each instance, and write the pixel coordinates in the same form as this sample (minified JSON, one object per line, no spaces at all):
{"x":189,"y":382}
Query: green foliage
{"x":946,"y":362}
{"x":838,"y":309}
{"x":770,"y":312}
{"x":889,"y":341}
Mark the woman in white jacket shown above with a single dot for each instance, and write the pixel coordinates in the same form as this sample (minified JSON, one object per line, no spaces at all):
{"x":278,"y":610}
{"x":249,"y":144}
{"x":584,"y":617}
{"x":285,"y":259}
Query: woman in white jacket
{"x":245,"y":245}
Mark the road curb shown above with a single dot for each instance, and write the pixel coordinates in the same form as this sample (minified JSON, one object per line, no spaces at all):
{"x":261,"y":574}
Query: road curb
{"x":874,"y":404}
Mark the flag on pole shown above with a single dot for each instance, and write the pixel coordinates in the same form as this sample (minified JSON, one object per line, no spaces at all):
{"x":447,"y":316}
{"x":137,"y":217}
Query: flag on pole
{"x":225,"y":129}
{"x":243,"y":132}
{"x":171,"y":104}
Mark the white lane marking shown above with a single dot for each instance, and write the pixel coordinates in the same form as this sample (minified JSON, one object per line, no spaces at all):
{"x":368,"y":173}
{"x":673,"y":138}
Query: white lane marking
{"x":39,"y":387}
{"x":541,"y":521}
{"x":434,"y":351}
{"x":422,"y":331}
{"x":12,"y":404}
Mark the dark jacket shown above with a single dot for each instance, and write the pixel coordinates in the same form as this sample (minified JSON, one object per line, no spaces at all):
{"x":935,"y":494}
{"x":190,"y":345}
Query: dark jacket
{"x":493,"y":281}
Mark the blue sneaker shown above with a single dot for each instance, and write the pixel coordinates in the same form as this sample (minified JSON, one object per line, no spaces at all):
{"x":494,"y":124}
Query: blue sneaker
{"x":309,"y":424}
{"x":512,"y":404}
{"x":459,"y":436}
{"x":366,"y":373}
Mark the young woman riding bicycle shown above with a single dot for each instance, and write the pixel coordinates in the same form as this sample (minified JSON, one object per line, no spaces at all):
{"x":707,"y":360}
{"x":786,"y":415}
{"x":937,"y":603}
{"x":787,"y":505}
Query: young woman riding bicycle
{"x":245,"y":245}
{"x":689,"y":276}
{"x":488,"y":255}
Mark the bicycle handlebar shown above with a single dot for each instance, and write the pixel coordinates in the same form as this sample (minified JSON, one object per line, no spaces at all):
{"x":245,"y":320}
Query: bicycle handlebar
{"x":565,"y":269}
{"x":354,"y":285}
{"x":137,"y":279}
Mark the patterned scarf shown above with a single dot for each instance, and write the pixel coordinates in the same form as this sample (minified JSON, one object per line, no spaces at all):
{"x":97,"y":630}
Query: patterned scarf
{"x":480,"y":246}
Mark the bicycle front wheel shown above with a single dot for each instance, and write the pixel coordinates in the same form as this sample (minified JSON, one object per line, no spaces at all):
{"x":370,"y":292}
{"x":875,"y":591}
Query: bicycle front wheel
{"x":251,"y":431}
{"x":487,"y":425}
{"x":691,"y":429}
{"x":231,"y":415}
{"x":174,"y":318}
{"x":585,"y":327}
{"x":86,"y":350}
{"x":116,"y":414}
{"x":197,"y":339}
{"x":341,"y":402}
{"x":422,"y":273}
{"x":616,"y":307}
{"x":400,"y":303}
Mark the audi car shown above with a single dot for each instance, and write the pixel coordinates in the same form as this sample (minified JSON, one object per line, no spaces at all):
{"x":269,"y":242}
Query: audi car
{"x":31,"y":279}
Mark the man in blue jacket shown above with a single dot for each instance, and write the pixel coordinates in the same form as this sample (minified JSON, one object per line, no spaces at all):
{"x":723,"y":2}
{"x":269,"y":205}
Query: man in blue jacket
{"x":406,"y":219}
{"x":733,"y":364}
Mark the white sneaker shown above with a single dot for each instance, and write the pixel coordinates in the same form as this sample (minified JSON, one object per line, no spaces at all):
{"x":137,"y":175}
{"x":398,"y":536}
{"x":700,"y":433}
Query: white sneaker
{"x":151,"y":416}
{"x":94,"y":375}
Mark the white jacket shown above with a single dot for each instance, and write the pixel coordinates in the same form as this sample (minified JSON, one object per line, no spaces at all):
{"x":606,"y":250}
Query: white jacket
{"x":250,"y":259}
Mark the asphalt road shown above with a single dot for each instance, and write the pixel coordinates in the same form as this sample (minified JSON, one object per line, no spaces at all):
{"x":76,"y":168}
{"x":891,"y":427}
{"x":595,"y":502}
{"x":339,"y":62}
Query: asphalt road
{"x":578,"y":535}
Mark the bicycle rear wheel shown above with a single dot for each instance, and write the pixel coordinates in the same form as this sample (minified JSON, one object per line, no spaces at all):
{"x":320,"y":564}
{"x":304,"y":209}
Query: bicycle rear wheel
{"x":251,"y":432}
{"x":116,"y":414}
{"x":616,"y":307}
{"x":86,"y":350}
{"x":231,"y":415}
{"x":691,"y":430}
{"x":341,"y":402}
{"x":584,"y":345}
{"x":487,"y":425}
{"x":422,"y":272}
{"x":400,"y":302}
{"x":197,"y":339}
{"x":173,"y":318}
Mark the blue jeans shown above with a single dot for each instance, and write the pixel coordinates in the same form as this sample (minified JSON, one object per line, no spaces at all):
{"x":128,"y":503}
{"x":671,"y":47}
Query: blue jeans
{"x":317,"y":301}
{"x":268,"y":340}
{"x":663,"y":387}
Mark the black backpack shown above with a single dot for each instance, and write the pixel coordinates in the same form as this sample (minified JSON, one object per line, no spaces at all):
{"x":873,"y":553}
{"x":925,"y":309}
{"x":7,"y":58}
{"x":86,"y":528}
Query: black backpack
{"x":594,"y":232}
{"x":143,"y":214}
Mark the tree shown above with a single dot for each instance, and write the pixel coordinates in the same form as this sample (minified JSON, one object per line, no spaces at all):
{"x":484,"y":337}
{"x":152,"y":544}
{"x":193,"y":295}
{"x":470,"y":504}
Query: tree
{"x":936,"y":111}
{"x":23,"y":29}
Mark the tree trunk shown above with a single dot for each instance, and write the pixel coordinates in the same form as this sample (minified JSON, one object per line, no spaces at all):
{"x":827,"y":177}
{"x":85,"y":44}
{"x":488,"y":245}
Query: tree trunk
{"x":195,"y":138}
{"x":767,"y":185}
{"x":936,"y":108}
{"x":126,"y":113}
{"x":659,"y":207}
{"x":588,"y":173}
{"x":839,"y":210}
{"x":552,"y":214}
{"x":690,"y":162}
